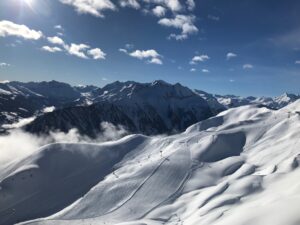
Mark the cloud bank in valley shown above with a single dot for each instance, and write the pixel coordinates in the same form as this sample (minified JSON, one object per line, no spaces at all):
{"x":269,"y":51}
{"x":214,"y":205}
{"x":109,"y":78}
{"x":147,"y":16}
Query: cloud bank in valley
{"x":18,"y":144}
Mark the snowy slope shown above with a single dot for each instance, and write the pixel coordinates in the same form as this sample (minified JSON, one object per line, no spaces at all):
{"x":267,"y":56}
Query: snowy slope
{"x":238,"y":168}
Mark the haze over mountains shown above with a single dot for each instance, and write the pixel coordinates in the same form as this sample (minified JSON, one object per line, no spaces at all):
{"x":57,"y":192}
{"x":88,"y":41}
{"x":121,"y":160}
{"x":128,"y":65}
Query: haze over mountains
{"x":150,"y":108}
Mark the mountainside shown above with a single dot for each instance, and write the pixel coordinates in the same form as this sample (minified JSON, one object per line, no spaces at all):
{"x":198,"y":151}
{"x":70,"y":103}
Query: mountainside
{"x":153,"y":108}
{"x":240,"y":167}
{"x":22,"y":100}
{"x":150,"y":108}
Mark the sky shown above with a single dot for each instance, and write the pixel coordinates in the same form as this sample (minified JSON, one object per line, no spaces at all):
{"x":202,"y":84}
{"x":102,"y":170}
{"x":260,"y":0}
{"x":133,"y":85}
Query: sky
{"x":242,"y":47}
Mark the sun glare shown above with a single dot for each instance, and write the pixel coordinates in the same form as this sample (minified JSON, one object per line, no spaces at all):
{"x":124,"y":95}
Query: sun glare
{"x":28,"y":2}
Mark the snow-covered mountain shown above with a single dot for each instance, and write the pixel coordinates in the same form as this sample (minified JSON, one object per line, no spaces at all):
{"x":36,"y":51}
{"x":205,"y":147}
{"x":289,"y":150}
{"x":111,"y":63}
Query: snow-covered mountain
{"x":22,"y":100}
{"x":151,"y":108}
{"x":230,"y":101}
{"x":240,"y":167}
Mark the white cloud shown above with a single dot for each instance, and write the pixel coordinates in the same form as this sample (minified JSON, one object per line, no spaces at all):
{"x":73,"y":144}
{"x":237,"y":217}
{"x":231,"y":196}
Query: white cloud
{"x":51,"y":49}
{"x":230,"y":55}
{"x":155,"y":61}
{"x":183,"y":22}
{"x":97,"y":53}
{"x":123,"y":50}
{"x":28,"y":143}
{"x":49,"y":109}
{"x":78,"y":50}
{"x":193,"y":70}
{"x":127,"y":48}
{"x":20,"y":123}
{"x":92,"y":7}
{"x":190,"y":4}
{"x":297,"y":62}
{"x":205,"y":71}
{"x":8,"y":28}
{"x":173,"y":5}
{"x":56,"y":40}
{"x":248,"y":66}
{"x":130,"y":3}
{"x":199,"y":58}
{"x":152,"y":56}
{"x":3,"y":64}
{"x":141,"y":54}
{"x":58,"y":27}
{"x":159,"y":11}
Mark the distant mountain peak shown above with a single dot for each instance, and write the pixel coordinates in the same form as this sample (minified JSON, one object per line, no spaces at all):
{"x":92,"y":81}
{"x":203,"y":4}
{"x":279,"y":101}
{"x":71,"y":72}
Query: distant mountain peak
{"x":160,"y":82}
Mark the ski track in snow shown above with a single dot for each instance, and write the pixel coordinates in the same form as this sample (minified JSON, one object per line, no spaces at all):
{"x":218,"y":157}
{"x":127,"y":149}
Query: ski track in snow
{"x":238,"y":168}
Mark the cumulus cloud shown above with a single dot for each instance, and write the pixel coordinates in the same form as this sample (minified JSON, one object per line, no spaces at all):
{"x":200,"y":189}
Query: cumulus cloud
{"x":151,"y":55}
{"x":27,"y":143}
{"x":297,"y":62}
{"x":173,"y":5}
{"x":155,"y":61}
{"x":158,"y":8}
{"x":51,"y":49}
{"x":3,"y":64}
{"x":230,"y":55}
{"x":205,"y":71}
{"x":199,"y":58}
{"x":130,"y":3}
{"x":159,"y":11}
{"x":190,"y":4}
{"x":247,"y":66}
{"x":8,"y":28}
{"x":193,"y":70}
{"x":92,"y":7}
{"x":56,"y":40}
{"x":78,"y":50}
{"x":183,"y":22}
{"x":97,"y":53}
{"x":141,"y":54}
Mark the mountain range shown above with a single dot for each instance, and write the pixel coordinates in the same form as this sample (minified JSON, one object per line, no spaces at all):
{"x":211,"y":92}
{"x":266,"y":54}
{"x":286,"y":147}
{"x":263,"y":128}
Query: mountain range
{"x":147,"y":108}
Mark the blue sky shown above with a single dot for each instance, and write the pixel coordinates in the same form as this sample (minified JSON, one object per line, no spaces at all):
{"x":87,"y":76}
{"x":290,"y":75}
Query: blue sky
{"x":244,"y":47}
